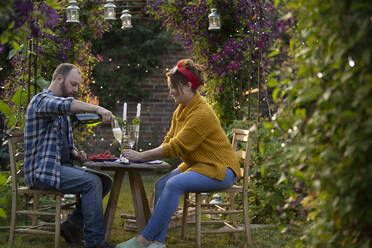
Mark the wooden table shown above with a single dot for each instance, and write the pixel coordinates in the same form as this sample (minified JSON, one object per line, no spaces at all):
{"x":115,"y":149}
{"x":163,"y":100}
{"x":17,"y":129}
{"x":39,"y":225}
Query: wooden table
{"x":140,"y":202}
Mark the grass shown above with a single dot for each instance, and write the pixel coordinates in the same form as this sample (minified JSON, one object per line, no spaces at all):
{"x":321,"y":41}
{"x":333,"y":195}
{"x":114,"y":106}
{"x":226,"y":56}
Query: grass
{"x":264,"y":237}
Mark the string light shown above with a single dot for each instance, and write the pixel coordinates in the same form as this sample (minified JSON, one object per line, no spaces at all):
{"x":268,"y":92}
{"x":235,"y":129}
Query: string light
{"x":351,"y":62}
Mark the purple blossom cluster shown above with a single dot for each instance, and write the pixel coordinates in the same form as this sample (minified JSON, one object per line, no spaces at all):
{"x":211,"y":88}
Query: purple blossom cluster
{"x":22,"y":12}
{"x":282,"y":25}
{"x":224,"y":53}
{"x":51,"y":16}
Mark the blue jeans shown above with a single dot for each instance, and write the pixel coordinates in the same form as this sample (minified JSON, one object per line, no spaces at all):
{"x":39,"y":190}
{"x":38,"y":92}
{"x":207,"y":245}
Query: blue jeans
{"x":89,"y":212}
{"x":168,"y":191}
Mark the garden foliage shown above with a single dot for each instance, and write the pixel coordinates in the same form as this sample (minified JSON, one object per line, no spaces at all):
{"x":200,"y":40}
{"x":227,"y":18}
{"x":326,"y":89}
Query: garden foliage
{"x":324,"y":93}
{"x":229,"y":55}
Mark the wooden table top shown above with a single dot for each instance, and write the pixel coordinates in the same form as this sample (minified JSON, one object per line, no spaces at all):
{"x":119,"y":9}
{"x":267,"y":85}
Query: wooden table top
{"x":131,"y":165}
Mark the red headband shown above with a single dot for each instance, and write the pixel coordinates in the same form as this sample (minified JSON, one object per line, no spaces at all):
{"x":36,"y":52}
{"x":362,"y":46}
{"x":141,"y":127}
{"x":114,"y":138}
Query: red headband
{"x":187,"y":74}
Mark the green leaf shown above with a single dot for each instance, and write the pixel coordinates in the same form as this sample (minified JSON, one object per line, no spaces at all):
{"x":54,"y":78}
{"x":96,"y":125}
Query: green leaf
{"x":262,"y":170}
{"x":275,"y":94}
{"x":272,"y":82}
{"x":2,"y":213}
{"x":273,"y":53}
{"x":277,"y":3}
{"x":16,"y":46}
{"x":12,"y":53}
{"x":136,"y":121}
{"x":12,"y":120}
{"x":42,"y":82}
{"x":16,"y":97}
{"x":4,"y":108}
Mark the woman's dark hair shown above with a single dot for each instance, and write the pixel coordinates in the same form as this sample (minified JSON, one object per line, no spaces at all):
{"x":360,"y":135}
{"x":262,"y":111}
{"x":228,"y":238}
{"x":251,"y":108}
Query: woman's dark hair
{"x":177,"y":78}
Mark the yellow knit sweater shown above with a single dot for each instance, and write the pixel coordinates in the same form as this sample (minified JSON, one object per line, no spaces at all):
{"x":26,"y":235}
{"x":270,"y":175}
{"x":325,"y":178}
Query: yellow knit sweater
{"x":196,"y":136}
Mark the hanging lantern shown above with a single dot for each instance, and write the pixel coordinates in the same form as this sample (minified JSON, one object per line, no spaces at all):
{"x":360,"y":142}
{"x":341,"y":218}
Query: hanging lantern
{"x":72,"y":12}
{"x":110,"y":10}
{"x":126,"y":20}
{"x":214,"y":20}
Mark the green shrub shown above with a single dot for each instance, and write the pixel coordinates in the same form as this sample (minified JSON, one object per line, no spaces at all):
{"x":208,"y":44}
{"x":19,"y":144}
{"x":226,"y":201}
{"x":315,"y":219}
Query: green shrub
{"x":325,"y":94}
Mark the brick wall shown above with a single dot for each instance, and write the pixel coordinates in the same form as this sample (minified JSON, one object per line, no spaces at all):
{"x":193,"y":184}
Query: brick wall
{"x":156,"y":111}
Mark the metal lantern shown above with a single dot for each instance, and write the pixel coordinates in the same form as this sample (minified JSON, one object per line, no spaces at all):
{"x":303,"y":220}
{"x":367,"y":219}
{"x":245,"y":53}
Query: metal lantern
{"x":126,"y":20}
{"x":72,"y":12}
{"x":214,"y":20}
{"x":110,"y":10}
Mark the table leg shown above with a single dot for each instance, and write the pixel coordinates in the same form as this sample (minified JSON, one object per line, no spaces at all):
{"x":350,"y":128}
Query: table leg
{"x":112,"y":202}
{"x":140,"y":202}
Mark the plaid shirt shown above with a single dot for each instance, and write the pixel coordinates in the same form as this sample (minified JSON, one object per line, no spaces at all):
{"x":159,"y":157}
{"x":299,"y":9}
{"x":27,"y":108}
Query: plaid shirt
{"x":43,"y":137}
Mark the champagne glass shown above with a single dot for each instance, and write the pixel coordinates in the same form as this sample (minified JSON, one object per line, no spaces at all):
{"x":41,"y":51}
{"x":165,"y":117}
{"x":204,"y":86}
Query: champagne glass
{"x":131,"y":130}
{"x":118,"y":133}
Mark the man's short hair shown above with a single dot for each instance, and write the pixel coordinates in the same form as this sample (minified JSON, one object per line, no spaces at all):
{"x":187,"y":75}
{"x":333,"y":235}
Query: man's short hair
{"x":63,"y":69}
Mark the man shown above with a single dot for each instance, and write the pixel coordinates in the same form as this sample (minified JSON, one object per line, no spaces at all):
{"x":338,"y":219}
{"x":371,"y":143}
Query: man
{"x":49,"y":151}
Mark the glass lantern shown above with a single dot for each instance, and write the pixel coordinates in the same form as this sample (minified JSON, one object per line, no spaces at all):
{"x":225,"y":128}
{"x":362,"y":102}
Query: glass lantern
{"x":72,"y":12}
{"x":214,"y":20}
{"x":126,"y":20}
{"x":110,"y":10}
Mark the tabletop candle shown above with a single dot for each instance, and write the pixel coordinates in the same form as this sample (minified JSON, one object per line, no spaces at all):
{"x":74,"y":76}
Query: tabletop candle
{"x":138,"y":115}
{"x":138,"y":109}
{"x":124,"y":111}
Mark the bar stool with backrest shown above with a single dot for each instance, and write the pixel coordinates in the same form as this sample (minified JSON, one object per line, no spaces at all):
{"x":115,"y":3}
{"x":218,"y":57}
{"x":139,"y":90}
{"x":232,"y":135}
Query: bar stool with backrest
{"x":32,"y":198}
{"x":232,"y":225}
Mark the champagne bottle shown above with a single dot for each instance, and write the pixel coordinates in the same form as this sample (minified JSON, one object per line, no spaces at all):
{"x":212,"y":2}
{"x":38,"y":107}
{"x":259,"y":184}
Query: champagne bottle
{"x":88,"y":119}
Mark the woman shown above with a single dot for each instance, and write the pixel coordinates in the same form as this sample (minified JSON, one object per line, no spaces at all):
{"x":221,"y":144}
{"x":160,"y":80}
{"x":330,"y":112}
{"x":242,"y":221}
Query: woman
{"x":196,"y":136}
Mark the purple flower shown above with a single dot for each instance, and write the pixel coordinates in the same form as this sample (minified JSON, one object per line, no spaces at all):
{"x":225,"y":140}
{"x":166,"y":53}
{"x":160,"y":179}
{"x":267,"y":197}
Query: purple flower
{"x":35,"y":29}
{"x":1,"y":47}
{"x":52,"y":17}
{"x":23,"y":6}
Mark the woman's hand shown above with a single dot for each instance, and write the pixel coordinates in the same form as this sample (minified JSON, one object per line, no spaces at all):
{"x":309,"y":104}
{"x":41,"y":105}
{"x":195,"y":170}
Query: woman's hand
{"x":132,"y":155}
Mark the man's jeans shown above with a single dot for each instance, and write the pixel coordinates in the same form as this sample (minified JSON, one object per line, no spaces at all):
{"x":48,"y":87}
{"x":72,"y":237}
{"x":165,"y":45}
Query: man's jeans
{"x":88,"y":215}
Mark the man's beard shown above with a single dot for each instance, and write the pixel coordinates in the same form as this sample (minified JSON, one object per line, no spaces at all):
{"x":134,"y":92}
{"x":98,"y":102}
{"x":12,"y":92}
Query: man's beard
{"x":63,"y":89}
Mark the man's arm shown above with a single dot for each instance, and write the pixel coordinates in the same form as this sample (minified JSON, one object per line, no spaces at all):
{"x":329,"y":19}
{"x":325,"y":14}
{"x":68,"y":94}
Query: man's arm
{"x":79,"y":106}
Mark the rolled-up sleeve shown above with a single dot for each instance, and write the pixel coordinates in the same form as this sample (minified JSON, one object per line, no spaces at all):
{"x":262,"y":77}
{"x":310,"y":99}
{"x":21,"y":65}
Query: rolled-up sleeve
{"x":48,"y":105}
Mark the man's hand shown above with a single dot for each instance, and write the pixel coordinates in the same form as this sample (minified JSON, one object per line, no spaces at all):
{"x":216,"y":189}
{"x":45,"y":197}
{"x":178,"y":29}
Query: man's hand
{"x":80,"y":155}
{"x":107,"y":116}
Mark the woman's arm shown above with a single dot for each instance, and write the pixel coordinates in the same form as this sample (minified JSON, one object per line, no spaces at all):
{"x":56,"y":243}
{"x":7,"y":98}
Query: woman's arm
{"x":153,"y":154}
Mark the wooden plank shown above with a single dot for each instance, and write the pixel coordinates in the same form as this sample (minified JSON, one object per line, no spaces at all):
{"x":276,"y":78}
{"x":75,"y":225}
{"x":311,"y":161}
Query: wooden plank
{"x":31,"y":212}
{"x":34,"y":231}
{"x":223,"y":231}
{"x":252,"y":91}
{"x":222,"y":211}
{"x":140,"y":202}
{"x":112,"y":203}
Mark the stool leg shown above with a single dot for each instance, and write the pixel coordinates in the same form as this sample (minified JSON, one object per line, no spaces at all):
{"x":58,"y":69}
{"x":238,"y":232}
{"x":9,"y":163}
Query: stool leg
{"x":35,"y":207}
{"x":57,"y":221}
{"x":13,"y":217}
{"x":184,"y":215}
{"x":233,"y":216}
{"x":198,"y":220}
